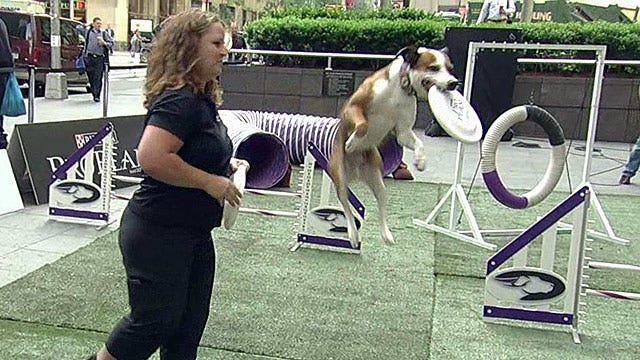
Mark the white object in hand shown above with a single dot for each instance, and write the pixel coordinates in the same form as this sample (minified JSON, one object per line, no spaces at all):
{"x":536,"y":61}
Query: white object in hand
{"x":229,"y":212}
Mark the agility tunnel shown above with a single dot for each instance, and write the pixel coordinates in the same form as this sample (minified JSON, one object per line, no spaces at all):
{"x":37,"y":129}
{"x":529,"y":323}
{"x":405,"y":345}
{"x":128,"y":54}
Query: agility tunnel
{"x":266,"y":153}
{"x":253,"y":140}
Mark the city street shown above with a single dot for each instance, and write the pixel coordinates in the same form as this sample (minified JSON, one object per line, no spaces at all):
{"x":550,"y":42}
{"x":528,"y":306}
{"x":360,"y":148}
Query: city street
{"x":125,"y":98}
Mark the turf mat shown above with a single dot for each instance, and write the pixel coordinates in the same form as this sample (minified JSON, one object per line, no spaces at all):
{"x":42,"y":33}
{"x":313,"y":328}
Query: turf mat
{"x":269,"y":301}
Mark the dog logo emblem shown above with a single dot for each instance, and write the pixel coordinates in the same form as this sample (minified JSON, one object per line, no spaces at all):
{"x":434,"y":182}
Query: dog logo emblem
{"x":329,"y":221}
{"x":526,"y":286}
{"x":76,"y":192}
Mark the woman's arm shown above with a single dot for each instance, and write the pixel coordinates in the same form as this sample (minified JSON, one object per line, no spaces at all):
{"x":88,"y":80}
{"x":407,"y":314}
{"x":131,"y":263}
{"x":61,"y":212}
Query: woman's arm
{"x":157,"y":154}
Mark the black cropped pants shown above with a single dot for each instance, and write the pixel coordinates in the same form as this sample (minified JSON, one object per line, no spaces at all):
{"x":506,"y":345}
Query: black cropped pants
{"x":170,"y":273}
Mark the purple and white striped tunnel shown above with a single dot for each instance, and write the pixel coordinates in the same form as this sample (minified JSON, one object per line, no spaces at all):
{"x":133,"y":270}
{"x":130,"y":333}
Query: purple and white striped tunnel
{"x":269,"y":141}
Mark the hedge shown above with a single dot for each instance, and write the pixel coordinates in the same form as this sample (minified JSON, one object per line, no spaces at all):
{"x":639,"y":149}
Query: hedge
{"x":384,"y":32}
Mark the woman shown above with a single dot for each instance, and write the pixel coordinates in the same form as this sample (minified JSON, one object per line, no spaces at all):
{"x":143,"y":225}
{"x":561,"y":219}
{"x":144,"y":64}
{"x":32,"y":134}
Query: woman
{"x":135,"y":44}
{"x":165,"y":232}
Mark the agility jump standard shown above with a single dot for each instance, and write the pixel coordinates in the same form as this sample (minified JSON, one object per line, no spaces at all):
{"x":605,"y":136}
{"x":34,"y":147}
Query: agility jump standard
{"x":522,"y":292}
{"x":456,"y":192}
{"x":80,"y":200}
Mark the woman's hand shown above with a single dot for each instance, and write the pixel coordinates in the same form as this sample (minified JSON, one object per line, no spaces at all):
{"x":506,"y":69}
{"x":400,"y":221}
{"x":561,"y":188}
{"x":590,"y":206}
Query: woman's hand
{"x":236,"y":163}
{"x":223,"y":189}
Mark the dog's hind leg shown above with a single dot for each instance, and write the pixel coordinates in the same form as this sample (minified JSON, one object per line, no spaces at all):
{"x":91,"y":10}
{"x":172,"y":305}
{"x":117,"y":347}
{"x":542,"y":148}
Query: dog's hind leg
{"x":372,"y":176}
{"x":341,"y":182}
{"x":407,"y":138}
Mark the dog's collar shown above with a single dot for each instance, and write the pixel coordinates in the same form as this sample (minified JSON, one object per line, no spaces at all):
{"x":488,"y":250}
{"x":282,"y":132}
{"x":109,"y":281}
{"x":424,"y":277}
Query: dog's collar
{"x":405,"y":81}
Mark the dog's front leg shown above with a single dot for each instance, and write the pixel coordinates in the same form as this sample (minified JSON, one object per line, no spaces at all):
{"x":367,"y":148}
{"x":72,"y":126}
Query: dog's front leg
{"x":407,"y":138}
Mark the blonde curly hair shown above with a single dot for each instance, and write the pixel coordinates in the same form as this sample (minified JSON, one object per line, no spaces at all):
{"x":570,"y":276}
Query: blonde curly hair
{"x":172,"y":61}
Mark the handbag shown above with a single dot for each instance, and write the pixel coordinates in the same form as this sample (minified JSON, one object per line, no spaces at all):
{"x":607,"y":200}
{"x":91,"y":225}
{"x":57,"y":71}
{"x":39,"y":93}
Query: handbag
{"x":80,"y":64}
{"x":12,"y":103}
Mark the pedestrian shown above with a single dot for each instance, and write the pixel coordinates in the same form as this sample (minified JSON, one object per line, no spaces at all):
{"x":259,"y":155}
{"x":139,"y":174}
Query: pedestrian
{"x":135,"y":43}
{"x":111,"y":33}
{"x":237,"y":42}
{"x":6,"y":68}
{"x":96,"y":53}
{"x":497,"y":11}
{"x":632,"y":165}
{"x":165,"y":231}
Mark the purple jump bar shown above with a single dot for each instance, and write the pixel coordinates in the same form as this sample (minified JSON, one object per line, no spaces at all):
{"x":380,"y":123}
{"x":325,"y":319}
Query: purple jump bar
{"x":78,"y":154}
{"x":536,"y":229}
{"x":322,"y":161}
{"x":547,"y":317}
{"x":320,"y":240}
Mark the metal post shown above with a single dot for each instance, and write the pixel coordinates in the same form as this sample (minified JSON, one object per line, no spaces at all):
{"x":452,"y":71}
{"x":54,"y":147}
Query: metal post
{"x":55,"y":35}
{"x":593,"y":113}
{"x":328,"y":63}
{"x":72,"y":5}
{"x":32,"y":94}
{"x":105,"y":91}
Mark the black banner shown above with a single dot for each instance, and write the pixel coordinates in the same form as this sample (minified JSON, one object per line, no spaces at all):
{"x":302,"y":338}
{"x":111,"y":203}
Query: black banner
{"x":36,"y":150}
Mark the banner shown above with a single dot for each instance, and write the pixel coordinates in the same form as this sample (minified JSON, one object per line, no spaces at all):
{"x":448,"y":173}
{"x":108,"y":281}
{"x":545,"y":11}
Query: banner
{"x":36,"y":150}
{"x":11,"y":200}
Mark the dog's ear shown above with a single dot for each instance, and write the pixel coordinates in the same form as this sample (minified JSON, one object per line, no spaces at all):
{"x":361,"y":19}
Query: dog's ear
{"x":409,"y":54}
{"x":445,"y":50}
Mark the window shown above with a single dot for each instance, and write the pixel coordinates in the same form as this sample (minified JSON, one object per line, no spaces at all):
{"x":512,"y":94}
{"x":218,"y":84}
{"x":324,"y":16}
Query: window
{"x":18,"y":25}
{"x":68,"y":33}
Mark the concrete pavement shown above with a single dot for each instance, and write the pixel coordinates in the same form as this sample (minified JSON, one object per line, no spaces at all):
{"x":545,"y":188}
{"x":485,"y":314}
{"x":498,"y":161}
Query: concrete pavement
{"x":28,"y":240}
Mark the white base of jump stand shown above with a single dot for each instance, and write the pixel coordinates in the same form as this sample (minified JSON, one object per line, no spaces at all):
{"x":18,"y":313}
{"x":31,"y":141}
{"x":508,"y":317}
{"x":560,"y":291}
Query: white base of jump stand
{"x":457,"y":195}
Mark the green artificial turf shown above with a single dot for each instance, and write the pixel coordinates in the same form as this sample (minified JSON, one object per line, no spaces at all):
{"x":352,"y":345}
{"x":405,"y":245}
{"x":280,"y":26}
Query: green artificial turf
{"x":267,"y":300}
{"x":420,"y":299}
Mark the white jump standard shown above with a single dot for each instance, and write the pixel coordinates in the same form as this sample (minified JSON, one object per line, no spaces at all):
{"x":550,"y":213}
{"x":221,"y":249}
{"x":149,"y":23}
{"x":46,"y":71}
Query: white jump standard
{"x":80,"y":200}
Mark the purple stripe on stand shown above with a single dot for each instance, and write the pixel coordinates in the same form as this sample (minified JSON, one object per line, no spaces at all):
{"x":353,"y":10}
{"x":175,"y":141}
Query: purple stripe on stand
{"x":504,"y":196}
{"x":528,"y":315}
{"x":78,"y":154}
{"x":320,"y":240}
{"x":90,"y":215}
{"x":322,"y":161}
{"x":535,"y":230}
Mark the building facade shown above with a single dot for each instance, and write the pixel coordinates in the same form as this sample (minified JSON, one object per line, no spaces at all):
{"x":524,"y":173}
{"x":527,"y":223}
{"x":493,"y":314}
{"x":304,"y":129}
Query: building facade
{"x":120,"y":13}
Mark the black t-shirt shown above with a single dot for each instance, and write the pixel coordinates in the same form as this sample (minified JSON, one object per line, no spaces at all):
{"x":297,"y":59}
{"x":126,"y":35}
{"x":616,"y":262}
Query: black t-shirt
{"x":194,"y":119}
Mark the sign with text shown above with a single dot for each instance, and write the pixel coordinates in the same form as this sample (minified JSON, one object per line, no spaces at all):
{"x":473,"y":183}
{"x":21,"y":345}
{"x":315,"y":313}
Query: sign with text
{"x":42,"y":147}
{"x":338,"y":83}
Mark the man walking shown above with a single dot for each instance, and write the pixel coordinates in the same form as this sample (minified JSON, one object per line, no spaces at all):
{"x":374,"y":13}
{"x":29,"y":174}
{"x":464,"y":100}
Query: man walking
{"x":497,"y":11}
{"x":96,"y":56}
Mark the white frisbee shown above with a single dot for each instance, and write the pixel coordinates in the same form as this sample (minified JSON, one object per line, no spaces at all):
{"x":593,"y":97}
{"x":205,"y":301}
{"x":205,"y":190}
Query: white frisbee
{"x":456,"y":116}
{"x":230,"y":213}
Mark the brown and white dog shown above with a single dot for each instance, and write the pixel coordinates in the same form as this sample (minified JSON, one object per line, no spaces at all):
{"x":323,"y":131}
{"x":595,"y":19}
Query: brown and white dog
{"x":385,"y":103}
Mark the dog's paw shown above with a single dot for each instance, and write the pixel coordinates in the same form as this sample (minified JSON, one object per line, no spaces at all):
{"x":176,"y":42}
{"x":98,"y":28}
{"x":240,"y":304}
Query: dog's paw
{"x":387,"y":237}
{"x":350,"y":145}
{"x":419,"y":164}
